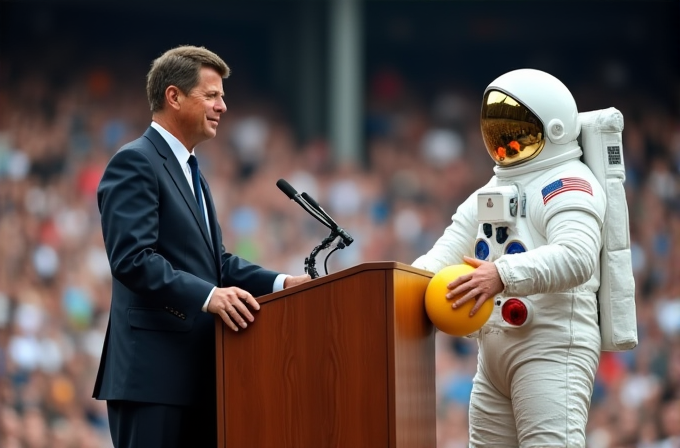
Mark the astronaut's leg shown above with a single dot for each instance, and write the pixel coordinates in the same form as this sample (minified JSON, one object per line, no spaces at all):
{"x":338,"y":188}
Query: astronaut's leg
{"x":550,"y":399}
{"x":492,"y":423}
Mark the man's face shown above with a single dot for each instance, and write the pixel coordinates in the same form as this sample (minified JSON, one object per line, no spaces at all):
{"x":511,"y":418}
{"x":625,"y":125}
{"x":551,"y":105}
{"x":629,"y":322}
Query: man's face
{"x":202,"y":107}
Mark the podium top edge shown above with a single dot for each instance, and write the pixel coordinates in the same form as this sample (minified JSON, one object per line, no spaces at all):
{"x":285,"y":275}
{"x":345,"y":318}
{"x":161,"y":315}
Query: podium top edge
{"x":368,"y":266}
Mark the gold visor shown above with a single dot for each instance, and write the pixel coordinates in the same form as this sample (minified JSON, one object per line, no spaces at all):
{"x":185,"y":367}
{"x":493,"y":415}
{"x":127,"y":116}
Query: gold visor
{"x":511,"y":132}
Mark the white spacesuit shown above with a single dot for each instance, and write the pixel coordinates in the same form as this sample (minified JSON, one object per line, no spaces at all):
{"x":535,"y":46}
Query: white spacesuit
{"x":539,"y":220}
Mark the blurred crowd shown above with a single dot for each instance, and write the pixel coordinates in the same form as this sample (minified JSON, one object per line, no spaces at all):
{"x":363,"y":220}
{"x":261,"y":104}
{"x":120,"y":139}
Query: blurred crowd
{"x":423,"y":156}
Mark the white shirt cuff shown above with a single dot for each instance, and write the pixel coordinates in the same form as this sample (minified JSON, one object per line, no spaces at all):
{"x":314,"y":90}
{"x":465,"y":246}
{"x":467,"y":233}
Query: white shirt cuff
{"x":278,"y":282}
{"x":207,"y":301}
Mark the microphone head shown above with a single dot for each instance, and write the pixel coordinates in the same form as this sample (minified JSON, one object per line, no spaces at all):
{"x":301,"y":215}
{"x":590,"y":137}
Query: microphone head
{"x":286,"y":188}
{"x":309,"y":199}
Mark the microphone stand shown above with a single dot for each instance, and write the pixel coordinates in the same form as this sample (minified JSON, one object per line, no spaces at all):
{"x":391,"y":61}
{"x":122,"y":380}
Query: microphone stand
{"x":313,"y":208}
{"x":336,"y":231}
{"x":310,"y":262}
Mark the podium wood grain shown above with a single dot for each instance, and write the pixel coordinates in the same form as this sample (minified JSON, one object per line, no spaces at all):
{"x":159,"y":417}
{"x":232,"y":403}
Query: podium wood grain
{"x":346,"y":360}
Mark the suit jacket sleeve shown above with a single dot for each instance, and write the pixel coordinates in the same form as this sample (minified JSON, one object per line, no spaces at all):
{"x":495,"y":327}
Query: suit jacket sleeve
{"x":128,"y":199}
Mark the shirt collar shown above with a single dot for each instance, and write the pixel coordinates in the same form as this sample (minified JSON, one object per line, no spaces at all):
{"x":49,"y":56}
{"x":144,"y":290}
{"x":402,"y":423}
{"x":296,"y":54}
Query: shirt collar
{"x":178,"y":149}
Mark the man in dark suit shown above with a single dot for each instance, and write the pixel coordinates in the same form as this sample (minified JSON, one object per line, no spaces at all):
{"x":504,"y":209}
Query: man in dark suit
{"x":171,"y":273}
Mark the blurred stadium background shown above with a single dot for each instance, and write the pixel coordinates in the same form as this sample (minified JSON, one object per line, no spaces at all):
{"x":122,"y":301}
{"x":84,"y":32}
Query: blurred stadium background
{"x":369,"y":106}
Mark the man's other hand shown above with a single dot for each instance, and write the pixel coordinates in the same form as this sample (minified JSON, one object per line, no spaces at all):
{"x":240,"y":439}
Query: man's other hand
{"x":291,"y":281}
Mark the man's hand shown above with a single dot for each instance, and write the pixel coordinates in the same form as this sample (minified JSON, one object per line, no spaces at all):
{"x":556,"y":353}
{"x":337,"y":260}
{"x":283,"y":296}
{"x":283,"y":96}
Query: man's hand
{"x":291,"y":281}
{"x":481,"y":284}
{"x":230,"y":305}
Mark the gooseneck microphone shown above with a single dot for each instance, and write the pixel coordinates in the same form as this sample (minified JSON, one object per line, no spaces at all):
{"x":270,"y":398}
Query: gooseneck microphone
{"x":346,"y":238}
{"x":313,"y":208}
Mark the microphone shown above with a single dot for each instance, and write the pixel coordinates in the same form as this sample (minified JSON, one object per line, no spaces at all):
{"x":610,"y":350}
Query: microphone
{"x":346,"y":238}
{"x":287,"y":188}
{"x":292,"y":194}
{"x":313,"y":208}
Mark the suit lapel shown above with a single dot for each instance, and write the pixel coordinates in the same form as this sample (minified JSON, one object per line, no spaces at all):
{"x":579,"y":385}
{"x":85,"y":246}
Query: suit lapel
{"x":214,"y":229}
{"x":177,"y":175}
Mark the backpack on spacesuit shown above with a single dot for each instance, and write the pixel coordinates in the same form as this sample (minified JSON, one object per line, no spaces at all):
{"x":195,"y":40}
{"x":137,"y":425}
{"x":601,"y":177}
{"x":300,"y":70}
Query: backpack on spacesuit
{"x":602,"y":152}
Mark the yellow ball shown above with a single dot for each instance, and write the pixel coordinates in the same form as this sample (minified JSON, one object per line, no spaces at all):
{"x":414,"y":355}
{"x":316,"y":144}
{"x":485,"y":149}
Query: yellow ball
{"x":456,"y":322}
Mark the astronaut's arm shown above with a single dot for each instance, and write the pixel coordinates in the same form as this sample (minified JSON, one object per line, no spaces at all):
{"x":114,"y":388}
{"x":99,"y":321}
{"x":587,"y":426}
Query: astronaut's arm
{"x":568,"y":260}
{"x":456,"y":241}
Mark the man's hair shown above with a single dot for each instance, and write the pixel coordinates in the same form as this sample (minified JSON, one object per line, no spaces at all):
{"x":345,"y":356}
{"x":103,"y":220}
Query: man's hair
{"x":180,"y":67}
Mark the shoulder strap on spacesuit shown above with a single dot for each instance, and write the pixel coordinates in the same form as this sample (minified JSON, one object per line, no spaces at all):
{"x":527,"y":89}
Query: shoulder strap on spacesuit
{"x":603,"y":153}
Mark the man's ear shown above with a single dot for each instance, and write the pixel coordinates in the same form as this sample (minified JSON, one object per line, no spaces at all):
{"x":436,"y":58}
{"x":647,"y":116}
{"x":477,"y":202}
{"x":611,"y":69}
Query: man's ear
{"x":173,"y":97}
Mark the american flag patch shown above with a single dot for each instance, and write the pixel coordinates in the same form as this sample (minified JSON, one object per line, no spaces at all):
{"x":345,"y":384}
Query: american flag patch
{"x":563,"y":185}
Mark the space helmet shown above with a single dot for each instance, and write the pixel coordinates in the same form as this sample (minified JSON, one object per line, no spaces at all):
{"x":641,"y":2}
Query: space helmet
{"x":528,"y":115}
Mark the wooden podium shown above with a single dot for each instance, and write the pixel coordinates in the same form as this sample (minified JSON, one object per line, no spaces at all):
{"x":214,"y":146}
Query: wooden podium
{"x":346,"y":360}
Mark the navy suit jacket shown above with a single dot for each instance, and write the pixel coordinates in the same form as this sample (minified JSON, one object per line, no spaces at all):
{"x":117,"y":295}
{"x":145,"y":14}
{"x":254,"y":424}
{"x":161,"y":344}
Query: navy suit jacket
{"x":160,"y":346}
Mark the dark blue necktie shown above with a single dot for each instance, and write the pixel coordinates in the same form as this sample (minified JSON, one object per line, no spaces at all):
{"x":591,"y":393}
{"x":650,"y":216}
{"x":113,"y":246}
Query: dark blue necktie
{"x":196,"y":178}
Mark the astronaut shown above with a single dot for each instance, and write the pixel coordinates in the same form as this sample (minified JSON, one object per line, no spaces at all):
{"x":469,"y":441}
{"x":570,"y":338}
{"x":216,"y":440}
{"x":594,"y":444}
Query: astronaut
{"x":536,"y":231}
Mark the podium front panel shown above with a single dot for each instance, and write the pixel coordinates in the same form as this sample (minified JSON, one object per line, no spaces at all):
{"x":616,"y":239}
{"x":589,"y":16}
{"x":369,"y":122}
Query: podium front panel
{"x":311,"y":371}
